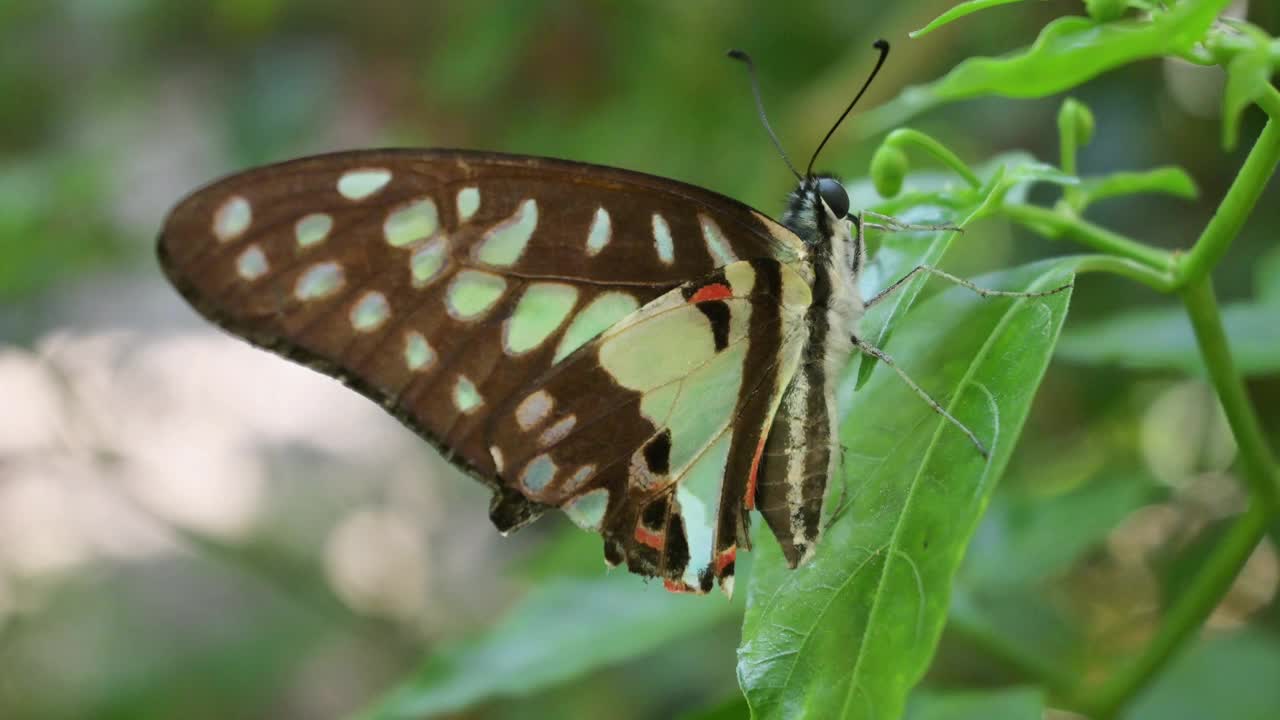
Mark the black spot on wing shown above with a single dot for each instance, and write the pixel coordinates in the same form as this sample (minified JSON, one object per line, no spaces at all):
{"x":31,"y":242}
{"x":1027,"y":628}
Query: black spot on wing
{"x":655,"y":513}
{"x":717,"y":313}
{"x":657,"y":453}
{"x":677,"y":546}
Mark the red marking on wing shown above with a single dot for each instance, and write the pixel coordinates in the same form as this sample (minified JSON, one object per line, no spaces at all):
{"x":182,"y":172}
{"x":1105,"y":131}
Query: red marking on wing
{"x":645,"y":536}
{"x":714,"y":291}
{"x":750,"y":501}
{"x":726,"y":558}
{"x":678,"y":586}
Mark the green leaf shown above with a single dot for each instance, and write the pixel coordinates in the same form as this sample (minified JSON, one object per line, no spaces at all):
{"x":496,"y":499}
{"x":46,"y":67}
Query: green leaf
{"x":1162,"y":339}
{"x":1165,"y":180}
{"x":1248,"y":76}
{"x":560,"y":630}
{"x":1069,"y":51}
{"x":1230,"y":676}
{"x":1009,"y":704}
{"x":957,"y":12}
{"x":849,"y":634}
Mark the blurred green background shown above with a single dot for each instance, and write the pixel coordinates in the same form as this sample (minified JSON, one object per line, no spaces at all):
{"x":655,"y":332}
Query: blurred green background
{"x":190,"y":528}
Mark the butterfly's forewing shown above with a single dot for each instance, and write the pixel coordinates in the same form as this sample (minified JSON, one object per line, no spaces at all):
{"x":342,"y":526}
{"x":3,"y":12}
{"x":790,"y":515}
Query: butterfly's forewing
{"x":447,"y":285}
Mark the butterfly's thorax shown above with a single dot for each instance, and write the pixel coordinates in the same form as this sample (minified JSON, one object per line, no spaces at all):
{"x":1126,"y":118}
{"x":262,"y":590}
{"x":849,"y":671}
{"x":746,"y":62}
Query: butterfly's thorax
{"x":836,"y":257}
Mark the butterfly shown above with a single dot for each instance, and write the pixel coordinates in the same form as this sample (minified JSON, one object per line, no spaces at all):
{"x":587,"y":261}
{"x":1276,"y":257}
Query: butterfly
{"x":652,"y":358}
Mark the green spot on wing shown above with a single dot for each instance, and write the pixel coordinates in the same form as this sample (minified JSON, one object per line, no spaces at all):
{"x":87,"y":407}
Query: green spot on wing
{"x":588,"y":511}
{"x":360,"y":184}
{"x":427,"y":261}
{"x":602,"y":313}
{"x":465,"y":395}
{"x":318,"y":281}
{"x":540,"y":311}
{"x":417,"y":352}
{"x":312,"y":229}
{"x":473,"y":292}
{"x":468,"y":203}
{"x":416,"y":221}
{"x":370,"y":312}
{"x":504,"y":244}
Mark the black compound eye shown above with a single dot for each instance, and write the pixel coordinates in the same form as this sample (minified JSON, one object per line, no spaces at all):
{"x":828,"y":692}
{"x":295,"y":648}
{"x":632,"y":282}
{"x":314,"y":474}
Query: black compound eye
{"x":834,"y":196}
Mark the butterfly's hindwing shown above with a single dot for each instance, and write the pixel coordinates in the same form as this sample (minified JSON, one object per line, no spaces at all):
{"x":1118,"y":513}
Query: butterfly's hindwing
{"x":452,"y":287}
{"x":650,"y":433}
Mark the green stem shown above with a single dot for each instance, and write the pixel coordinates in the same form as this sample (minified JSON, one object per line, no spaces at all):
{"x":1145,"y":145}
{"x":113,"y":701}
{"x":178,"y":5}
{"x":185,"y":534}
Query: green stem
{"x":1057,"y":225}
{"x":1243,"y":194}
{"x":902,"y":138}
{"x":1162,"y":282}
{"x":1256,"y":460}
{"x":1188,"y":613}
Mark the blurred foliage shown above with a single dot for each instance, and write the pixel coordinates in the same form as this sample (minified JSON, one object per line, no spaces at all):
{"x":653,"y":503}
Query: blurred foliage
{"x":110,"y":111}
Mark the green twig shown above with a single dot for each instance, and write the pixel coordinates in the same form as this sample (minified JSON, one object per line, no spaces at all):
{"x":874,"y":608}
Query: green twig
{"x":1256,"y":460}
{"x":1239,"y":200}
{"x":903,"y":138}
{"x":1058,"y":225}
{"x":1124,"y":267}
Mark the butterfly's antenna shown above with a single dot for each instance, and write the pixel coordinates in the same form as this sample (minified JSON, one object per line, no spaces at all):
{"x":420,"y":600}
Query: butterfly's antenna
{"x":764,"y":119}
{"x":881,"y":45}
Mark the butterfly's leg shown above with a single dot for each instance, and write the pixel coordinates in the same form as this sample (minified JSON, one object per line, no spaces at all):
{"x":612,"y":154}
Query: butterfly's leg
{"x":984,"y":292}
{"x":883,"y":357}
{"x":888,"y":223}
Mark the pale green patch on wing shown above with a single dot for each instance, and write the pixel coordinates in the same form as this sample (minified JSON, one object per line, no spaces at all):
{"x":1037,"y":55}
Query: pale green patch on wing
{"x":418,"y":353}
{"x":232,"y":218}
{"x":320,"y":280}
{"x":465,"y":395}
{"x":587,"y":511}
{"x":699,"y":496}
{"x":360,"y":184}
{"x":370,"y":312}
{"x":540,"y":311}
{"x":717,"y":244}
{"x":252,"y":263}
{"x":412,"y":222}
{"x":468,"y":202}
{"x":312,"y":229}
{"x":506,"y":241}
{"x":427,"y":261}
{"x":599,"y":315}
{"x":705,"y":406}
{"x":472,"y":293}
{"x":600,"y":233}
{"x":668,"y":322}
{"x":662,"y":240}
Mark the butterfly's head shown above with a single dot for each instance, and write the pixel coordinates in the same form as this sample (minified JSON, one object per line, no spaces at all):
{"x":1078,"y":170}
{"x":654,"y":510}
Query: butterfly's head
{"x":818,"y":209}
